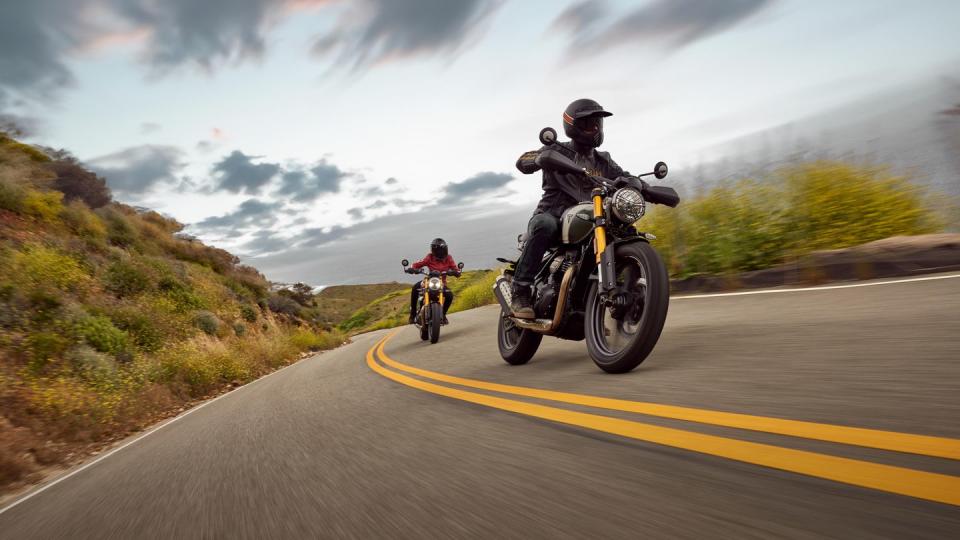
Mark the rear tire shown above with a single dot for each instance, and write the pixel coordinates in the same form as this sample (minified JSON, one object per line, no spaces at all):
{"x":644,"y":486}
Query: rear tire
{"x":620,"y":346}
{"x":517,"y":346}
{"x":436,"y":318}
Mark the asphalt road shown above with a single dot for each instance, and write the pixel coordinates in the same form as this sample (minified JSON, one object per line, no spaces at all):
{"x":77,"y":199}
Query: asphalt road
{"x":330,"y":447}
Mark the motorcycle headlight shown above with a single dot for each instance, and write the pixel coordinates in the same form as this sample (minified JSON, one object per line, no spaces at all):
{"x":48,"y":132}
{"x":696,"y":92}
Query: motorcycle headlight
{"x":435,"y":284}
{"x":628,"y":205}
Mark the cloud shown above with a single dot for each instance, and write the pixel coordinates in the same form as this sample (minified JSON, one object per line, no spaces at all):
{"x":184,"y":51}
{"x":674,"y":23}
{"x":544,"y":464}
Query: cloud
{"x":147,"y":128}
{"x":250,"y":213}
{"x":376,"y":31}
{"x":476,"y":186}
{"x":323,"y":178}
{"x":203,"y":34}
{"x":264,"y":242}
{"x":19,"y":125}
{"x":34,"y":36}
{"x":319,"y":236}
{"x":238,"y":173}
{"x":356,"y":213}
{"x":672,"y":23}
{"x":139,"y":169}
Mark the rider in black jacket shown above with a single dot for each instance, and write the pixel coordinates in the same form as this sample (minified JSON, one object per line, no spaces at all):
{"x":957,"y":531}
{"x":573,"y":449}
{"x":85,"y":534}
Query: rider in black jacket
{"x":583,"y":123}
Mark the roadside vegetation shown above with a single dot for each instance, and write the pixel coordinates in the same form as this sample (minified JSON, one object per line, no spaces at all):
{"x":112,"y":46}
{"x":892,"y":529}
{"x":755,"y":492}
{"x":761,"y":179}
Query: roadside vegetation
{"x":755,"y":223}
{"x":109,"y":320}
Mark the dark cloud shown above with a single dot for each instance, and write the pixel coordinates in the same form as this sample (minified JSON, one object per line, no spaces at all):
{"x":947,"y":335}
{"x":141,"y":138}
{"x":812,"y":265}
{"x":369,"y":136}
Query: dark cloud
{"x":673,"y":23}
{"x":391,"y":181}
{"x":137,"y":170}
{"x":264,"y":242}
{"x":323,"y":178}
{"x":380,"y":30}
{"x":319,"y":236}
{"x":356,"y":213}
{"x":238,"y":173}
{"x":250,"y":213}
{"x":34,"y":35}
{"x":481,"y":184}
{"x":204,"y":34}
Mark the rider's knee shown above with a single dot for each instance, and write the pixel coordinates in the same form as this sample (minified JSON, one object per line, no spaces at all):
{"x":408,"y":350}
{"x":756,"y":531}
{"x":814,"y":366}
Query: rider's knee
{"x":545,"y":225}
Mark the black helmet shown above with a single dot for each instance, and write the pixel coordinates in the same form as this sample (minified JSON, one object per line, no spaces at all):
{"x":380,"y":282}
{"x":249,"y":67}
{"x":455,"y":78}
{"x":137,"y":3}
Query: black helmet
{"x":439,"y":248}
{"x":583,"y":122}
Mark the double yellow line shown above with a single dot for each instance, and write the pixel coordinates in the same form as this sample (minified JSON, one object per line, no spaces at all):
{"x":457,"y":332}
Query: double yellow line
{"x":920,"y":484}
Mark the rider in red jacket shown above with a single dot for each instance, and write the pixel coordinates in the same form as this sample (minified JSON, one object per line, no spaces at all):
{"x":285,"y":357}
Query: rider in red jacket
{"x":437,"y":260}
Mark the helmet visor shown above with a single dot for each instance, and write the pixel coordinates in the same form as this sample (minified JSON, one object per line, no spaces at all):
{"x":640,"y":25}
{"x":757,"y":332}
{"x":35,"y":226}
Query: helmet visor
{"x":589,"y":124}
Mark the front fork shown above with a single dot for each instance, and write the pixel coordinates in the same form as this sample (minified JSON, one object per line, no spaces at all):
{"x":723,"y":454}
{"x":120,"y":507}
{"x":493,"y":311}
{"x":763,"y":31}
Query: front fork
{"x":604,"y":253}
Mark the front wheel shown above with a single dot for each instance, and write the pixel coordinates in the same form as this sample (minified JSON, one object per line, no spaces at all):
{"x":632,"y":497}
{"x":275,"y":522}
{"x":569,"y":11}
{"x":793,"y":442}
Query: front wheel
{"x":617,"y":345}
{"x":436,"y":317}
{"x":517,"y":346}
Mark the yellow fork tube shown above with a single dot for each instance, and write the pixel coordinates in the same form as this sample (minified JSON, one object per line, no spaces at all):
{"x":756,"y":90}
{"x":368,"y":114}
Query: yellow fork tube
{"x":600,"y":233}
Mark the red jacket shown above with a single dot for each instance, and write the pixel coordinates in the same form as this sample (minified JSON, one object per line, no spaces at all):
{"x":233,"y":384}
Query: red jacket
{"x":433,"y":263}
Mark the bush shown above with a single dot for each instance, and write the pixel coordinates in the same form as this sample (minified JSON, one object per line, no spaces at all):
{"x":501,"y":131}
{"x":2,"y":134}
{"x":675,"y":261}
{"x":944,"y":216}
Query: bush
{"x":44,"y":266}
{"x":120,"y":231}
{"x":248,"y":312}
{"x":100,"y":333}
{"x":239,"y":329}
{"x":11,"y":196}
{"x":90,"y":364}
{"x":83,"y":222}
{"x":751,"y":224}
{"x":77,"y":183}
{"x":208,"y":322}
{"x":125,"y":279}
{"x":283,"y":304}
{"x":45,"y":206}
{"x":43,"y":346}
{"x":140,"y":326}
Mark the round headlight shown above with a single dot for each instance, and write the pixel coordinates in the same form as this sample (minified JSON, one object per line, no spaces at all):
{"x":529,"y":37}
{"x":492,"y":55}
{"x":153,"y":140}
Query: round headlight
{"x":435,"y":284}
{"x":628,"y":205}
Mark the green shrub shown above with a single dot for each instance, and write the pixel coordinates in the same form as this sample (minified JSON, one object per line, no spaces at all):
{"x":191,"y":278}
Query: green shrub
{"x":45,"y":266}
{"x":754,"y":224}
{"x":91,"y":364}
{"x":120,"y":231}
{"x":100,"y":333}
{"x":41,"y":347}
{"x":239,"y":329}
{"x":283,"y":304}
{"x":208,"y":322}
{"x":11,"y":196}
{"x":45,"y":206}
{"x":248,"y":312}
{"x":140,"y":326}
{"x":83,"y":222}
{"x":126,"y":279}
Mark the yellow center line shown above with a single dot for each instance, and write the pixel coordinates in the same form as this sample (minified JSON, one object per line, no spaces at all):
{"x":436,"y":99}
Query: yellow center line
{"x":871,"y":438}
{"x":922,"y":485}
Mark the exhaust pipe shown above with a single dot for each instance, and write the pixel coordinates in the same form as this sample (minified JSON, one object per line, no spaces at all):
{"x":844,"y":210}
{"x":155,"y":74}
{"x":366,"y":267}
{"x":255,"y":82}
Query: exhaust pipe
{"x":502,"y":290}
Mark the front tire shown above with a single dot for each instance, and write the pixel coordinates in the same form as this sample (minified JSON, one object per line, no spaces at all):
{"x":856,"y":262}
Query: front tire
{"x":436,"y":317}
{"x":517,"y":346}
{"x":618,"y":346}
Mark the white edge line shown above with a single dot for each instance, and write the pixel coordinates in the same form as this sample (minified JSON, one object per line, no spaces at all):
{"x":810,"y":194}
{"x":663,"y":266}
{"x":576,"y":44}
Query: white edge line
{"x":821,"y":288}
{"x":184,"y":414}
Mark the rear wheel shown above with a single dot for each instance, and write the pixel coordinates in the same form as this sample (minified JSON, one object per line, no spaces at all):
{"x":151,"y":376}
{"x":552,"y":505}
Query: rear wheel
{"x":436,"y":317}
{"x":619,"y":344}
{"x":517,"y":346}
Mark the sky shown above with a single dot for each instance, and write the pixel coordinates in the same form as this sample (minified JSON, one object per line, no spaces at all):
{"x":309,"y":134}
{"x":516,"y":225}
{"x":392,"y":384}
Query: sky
{"x":324,"y":140}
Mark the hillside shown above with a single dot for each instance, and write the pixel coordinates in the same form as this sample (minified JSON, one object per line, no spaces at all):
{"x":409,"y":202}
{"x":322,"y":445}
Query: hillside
{"x":110,"y":321}
{"x":337,"y":303}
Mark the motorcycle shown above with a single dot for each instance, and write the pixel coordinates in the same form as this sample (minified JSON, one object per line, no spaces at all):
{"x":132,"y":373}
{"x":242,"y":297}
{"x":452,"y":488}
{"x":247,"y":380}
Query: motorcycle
{"x":604,"y":283}
{"x":429,"y":317}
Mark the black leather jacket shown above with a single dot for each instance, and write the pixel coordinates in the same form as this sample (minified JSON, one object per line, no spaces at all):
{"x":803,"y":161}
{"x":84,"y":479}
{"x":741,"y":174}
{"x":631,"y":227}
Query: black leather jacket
{"x":562,"y":190}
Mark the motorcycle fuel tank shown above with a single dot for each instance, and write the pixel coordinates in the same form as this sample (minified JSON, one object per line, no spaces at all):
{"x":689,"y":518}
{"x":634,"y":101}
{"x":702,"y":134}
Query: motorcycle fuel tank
{"x":576,"y":223}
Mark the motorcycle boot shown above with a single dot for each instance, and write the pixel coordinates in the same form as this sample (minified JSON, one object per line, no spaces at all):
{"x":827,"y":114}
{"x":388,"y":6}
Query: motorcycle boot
{"x":520,"y":302}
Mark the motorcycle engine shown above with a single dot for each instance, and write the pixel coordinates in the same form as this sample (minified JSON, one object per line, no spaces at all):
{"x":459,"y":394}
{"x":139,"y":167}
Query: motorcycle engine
{"x":547,"y":291}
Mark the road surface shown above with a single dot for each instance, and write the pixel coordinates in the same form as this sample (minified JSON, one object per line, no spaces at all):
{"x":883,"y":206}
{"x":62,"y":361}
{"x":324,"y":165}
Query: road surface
{"x":367,"y":442}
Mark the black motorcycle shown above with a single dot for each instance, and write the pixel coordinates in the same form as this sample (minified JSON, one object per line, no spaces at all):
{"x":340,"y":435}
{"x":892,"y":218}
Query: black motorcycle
{"x":429,"y":317}
{"x":604,"y":282}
